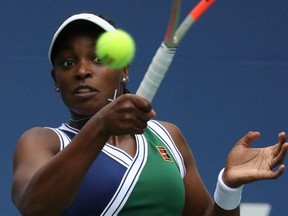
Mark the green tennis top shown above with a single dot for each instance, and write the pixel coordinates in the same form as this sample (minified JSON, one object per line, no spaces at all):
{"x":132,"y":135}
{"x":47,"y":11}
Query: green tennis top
{"x":160,"y":188}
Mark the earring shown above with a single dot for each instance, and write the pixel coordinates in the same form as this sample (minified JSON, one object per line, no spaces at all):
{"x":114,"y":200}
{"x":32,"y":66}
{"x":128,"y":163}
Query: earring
{"x":125,"y":79}
{"x":57,"y":89}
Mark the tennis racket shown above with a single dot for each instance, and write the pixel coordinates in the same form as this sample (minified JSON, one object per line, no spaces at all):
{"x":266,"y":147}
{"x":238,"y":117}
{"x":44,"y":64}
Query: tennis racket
{"x":165,"y":53}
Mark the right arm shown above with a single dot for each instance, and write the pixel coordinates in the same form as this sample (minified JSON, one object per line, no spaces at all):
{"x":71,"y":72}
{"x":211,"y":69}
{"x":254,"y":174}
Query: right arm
{"x":45,"y":180}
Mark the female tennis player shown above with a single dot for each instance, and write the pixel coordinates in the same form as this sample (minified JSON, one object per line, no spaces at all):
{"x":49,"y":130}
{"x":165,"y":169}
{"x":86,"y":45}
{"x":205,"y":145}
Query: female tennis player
{"x":112,"y":157}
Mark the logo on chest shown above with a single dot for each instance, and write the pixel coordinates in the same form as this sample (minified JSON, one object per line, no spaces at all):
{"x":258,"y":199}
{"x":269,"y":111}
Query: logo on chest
{"x":164,"y":153}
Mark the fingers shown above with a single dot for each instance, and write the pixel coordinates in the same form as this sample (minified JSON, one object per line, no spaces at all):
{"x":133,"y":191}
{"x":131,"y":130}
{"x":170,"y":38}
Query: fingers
{"x":278,"y":154}
{"x":248,"y":138}
{"x":277,"y":173}
{"x":144,"y":105}
{"x":145,"y":113}
{"x":282,"y":137}
{"x":279,"y":151}
{"x":280,"y":171}
{"x":130,"y":114}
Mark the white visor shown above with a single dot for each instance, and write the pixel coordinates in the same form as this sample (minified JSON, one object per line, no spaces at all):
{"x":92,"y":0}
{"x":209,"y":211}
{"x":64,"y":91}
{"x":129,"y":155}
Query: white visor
{"x":106,"y":26}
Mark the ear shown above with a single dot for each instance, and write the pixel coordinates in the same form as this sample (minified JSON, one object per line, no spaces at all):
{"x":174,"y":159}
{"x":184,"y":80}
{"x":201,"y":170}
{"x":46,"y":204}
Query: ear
{"x":125,"y":72}
{"x":53,"y":76}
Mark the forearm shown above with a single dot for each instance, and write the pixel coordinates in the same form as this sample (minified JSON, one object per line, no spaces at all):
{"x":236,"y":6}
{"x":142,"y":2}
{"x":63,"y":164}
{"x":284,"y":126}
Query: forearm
{"x":50,"y":190}
{"x":217,"y":211}
{"x":227,"y":200}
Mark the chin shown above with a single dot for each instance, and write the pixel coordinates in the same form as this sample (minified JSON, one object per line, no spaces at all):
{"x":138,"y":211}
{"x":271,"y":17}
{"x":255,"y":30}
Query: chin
{"x":87,"y":108}
{"x":83,"y":112}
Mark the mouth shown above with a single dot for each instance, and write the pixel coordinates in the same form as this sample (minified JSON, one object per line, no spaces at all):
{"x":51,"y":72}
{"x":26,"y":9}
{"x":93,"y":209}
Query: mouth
{"x":84,"y":91}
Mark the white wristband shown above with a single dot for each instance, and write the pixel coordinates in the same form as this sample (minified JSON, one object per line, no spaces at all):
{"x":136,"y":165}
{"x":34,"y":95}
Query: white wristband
{"x":227,"y":198}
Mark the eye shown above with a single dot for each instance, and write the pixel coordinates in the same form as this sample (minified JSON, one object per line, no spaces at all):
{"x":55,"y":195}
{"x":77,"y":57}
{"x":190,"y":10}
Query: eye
{"x":68,"y":63}
{"x":97,"y":60}
{"x":65,"y":63}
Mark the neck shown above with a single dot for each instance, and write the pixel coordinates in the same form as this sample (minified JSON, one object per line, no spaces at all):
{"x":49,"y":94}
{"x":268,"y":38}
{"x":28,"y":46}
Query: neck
{"x":79,"y":122}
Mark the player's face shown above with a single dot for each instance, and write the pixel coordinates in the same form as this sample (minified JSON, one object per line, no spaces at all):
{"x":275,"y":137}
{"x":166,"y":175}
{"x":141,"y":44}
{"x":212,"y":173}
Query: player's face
{"x":84,"y":82}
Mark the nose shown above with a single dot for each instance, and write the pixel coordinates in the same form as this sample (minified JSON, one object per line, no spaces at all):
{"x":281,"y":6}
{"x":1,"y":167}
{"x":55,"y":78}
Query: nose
{"x":83,"y":71}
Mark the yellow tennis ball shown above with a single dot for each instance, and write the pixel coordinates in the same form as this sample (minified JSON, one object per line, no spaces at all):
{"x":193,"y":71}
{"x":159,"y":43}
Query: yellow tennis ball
{"x":115,"y":48}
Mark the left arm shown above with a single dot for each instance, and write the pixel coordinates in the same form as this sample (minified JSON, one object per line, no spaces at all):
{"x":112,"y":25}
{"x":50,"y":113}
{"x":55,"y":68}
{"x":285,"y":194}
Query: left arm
{"x":244,"y":165}
{"x":198,"y":201}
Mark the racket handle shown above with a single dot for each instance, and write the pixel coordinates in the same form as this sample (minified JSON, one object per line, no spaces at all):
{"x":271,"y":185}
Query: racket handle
{"x":156,"y":72}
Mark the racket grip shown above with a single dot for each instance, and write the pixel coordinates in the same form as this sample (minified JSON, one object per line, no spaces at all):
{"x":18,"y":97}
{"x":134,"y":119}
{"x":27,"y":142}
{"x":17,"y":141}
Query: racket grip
{"x":156,"y":72}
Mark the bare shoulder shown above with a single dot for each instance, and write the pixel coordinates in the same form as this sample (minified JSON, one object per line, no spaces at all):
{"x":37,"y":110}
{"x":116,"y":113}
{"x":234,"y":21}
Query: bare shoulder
{"x":38,"y":138}
{"x":35,"y":147}
{"x":168,"y":125}
{"x":173,"y":130}
{"x":178,"y":138}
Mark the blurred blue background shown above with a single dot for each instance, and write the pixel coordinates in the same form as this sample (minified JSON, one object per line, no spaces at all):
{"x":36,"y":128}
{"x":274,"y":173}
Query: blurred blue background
{"x":228,"y":77}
